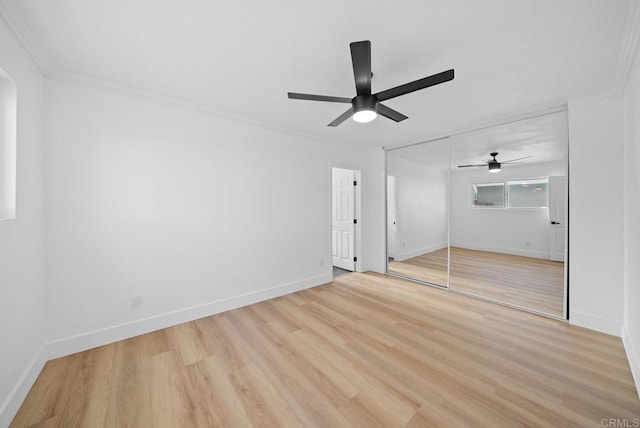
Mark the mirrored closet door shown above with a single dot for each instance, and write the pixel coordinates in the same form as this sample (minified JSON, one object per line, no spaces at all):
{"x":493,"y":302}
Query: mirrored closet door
{"x":484,"y":212}
{"x":418,"y":211}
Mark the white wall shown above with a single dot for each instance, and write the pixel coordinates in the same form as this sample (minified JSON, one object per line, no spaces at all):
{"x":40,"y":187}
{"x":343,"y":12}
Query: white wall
{"x":22,"y":289}
{"x":184,"y":209}
{"x":517,"y":231}
{"x":631,"y":330}
{"x":596,"y":214}
{"x":422,"y":219}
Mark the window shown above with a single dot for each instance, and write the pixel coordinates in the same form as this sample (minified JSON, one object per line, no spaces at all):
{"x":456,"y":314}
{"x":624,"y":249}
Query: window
{"x":488,"y":195}
{"x":526,"y":193}
{"x":7,"y":147}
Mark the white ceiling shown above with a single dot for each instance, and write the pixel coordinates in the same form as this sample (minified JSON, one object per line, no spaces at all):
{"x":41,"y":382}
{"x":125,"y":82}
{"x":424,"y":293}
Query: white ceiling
{"x":242,"y":57}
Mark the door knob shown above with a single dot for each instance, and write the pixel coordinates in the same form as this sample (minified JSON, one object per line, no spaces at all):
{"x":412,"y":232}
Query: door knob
{"x":554,"y":222}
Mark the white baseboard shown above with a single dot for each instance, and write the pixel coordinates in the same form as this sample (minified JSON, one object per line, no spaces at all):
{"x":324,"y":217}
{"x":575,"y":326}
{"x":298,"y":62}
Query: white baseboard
{"x":415,"y":253}
{"x":82,"y":342}
{"x":10,"y":407}
{"x":632,"y":356}
{"x":595,"y":323}
{"x":514,"y":251}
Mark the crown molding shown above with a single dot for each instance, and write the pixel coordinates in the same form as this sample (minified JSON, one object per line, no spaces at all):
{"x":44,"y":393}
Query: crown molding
{"x":154,"y":98}
{"x":18,"y":26}
{"x":629,"y":49}
{"x":16,"y":23}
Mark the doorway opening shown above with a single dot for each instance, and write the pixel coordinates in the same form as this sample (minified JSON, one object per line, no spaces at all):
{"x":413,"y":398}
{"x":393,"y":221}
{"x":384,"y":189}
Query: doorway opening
{"x":345,"y":224}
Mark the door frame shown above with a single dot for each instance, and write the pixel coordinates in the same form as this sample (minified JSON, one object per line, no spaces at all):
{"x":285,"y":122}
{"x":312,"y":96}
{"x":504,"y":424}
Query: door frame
{"x":397,"y":207}
{"x":554,"y":226}
{"x":357,"y":194}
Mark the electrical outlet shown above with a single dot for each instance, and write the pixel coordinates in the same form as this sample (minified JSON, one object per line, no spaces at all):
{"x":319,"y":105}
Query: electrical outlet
{"x":136,"y":302}
{"x":321,"y":262}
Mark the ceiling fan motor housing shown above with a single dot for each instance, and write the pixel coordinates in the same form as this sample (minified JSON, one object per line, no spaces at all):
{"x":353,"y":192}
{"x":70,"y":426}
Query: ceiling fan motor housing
{"x":365,"y":102}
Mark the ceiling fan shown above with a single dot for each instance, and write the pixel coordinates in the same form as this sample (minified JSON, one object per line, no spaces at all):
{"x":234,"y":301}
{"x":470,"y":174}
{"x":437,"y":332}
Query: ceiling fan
{"x":494,"y":165}
{"x":365,"y":106}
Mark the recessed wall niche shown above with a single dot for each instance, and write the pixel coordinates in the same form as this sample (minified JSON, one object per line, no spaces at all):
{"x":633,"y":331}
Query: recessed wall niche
{"x":8,"y":112}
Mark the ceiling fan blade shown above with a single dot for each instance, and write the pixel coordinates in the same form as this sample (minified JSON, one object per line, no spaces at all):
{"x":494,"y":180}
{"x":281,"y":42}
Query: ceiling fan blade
{"x":361,"y":58}
{"x":517,"y":159}
{"x":344,"y":116}
{"x":416,"y":85}
{"x":471,"y":166}
{"x":390,"y":113}
{"x":311,"y":97}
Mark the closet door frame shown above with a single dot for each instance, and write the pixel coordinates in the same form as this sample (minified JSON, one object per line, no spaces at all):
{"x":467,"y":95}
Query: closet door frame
{"x":449,"y":136}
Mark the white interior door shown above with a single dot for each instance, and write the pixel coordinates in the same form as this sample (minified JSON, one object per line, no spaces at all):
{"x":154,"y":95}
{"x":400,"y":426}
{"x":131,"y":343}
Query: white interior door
{"x":343,"y":215}
{"x":557,"y":217}
{"x":392,"y":217}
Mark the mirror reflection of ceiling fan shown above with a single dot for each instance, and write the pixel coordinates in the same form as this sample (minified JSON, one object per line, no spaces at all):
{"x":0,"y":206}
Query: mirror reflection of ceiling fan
{"x":494,"y":165}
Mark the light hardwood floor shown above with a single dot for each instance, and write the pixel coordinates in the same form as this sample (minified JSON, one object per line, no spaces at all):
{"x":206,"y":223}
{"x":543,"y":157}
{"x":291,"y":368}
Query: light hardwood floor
{"x":431,"y":267}
{"x":365,"y":350}
{"x":532,"y":283}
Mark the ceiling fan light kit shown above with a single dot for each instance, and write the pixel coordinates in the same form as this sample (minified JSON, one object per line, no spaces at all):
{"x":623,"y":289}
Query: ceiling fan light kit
{"x":364,"y":116}
{"x":365,"y":106}
{"x":495,"y":167}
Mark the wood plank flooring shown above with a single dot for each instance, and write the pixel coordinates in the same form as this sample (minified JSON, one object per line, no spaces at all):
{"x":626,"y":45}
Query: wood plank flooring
{"x":430,"y":267}
{"x":532,"y":283}
{"x":364,"y":350}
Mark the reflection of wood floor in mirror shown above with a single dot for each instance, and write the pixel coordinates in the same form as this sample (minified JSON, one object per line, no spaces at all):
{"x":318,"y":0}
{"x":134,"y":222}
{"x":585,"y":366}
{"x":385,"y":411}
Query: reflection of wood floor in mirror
{"x":537,"y":284}
{"x":430,"y":267}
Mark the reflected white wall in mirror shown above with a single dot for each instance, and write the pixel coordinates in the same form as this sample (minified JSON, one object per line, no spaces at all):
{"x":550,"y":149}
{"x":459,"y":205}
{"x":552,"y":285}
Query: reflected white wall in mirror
{"x":420,"y":175}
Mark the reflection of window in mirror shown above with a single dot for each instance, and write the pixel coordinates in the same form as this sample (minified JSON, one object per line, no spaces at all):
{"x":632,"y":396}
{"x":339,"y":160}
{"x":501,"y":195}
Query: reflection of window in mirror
{"x":524,"y":193}
{"x":488,"y":195}
{"x":532,"y":193}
